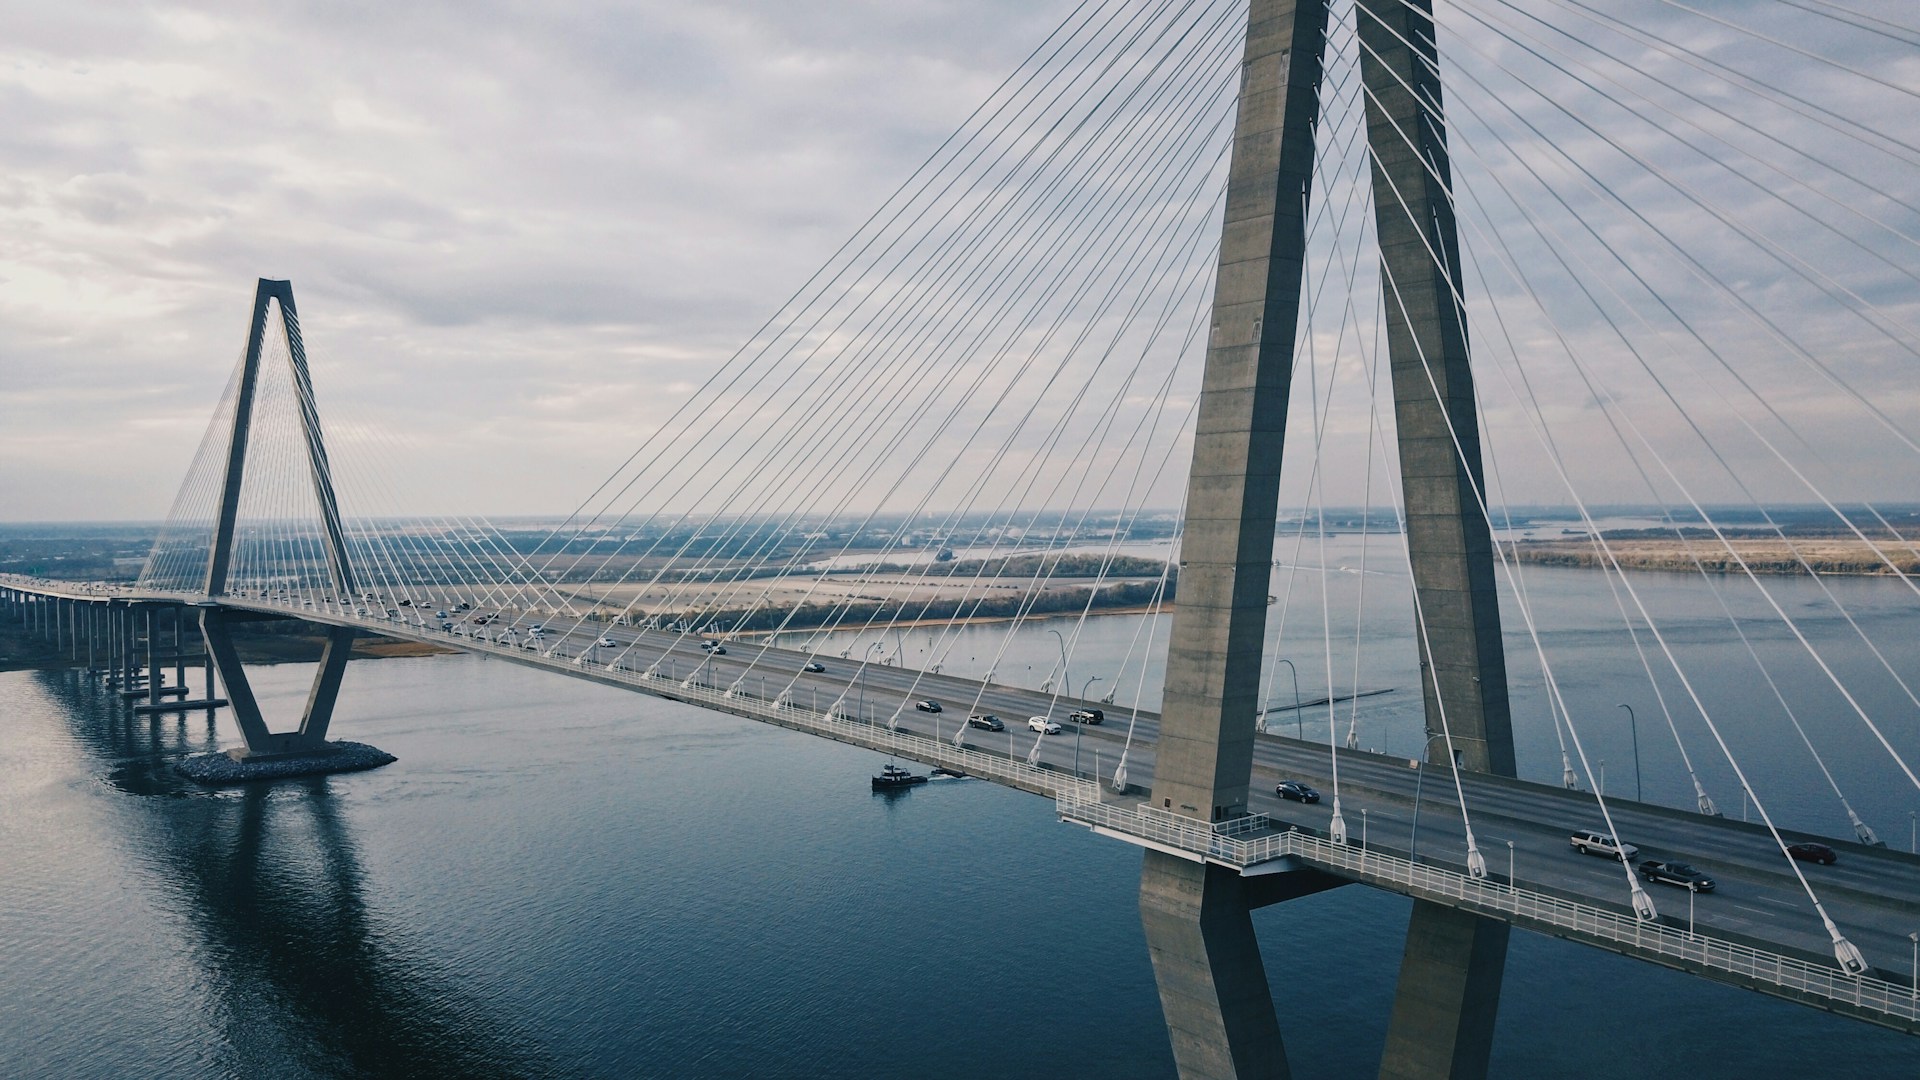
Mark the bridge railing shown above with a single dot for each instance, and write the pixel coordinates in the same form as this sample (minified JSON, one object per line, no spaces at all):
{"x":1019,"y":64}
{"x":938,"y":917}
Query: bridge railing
{"x":783,"y":711}
{"x":1236,"y":845}
{"x":882,"y":737}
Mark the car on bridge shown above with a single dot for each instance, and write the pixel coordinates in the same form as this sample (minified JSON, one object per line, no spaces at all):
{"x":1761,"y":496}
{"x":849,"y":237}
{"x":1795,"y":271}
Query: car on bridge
{"x":986,"y":722}
{"x":608,"y":643}
{"x":1043,"y":725}
{"x":1676,"y":873}
{"x":1813,"y":853}
{"x":1297,"y":791}
{"x":813,"y":666}
{"x":717,"y":650}
{"x":1596,"y":842}
{"x":927,"y":705}
{"x":1086,"y":716}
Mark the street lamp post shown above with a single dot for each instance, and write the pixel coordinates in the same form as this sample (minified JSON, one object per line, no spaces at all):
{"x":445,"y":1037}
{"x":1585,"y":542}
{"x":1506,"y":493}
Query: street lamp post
{"x":1509,"y":864}
{"x":1419,"y":778}
{"x":1634,"y":726}
{"x":881,"y":645}
{"x":1065,"y":680}
{"x":1088,"y":685}
{"x":1363,"y":829}
{"x":1914,"y":994}
{"x":1295,"y":675}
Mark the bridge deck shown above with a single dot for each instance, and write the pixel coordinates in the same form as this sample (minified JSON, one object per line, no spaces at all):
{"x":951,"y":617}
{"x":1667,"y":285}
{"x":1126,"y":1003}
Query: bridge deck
{"x":1758,"y":911}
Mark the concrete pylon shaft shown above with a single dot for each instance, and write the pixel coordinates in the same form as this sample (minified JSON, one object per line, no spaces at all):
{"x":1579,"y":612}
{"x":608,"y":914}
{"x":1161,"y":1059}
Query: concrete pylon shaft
{"x":220,"y":555}
{"x":1464,"y":669}
{"x":1204,"y":760}
{"x":1213,"y":987}
{"x":1450,"y":974}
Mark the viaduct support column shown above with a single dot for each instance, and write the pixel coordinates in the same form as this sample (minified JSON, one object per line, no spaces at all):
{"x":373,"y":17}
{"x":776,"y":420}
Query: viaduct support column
{"x":1213,"y":988}
{"x":154,"y":669}
{"x":1443,"y":1013}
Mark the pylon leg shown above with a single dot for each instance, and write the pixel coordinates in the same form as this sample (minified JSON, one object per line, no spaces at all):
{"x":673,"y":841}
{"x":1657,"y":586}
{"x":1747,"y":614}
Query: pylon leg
{"x":1206,"y":962}
{"x":1449,"y":992}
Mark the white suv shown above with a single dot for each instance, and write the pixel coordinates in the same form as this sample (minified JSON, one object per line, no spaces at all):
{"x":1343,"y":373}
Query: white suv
{"x":1595,"y":842}
{"x":1042,"y":725}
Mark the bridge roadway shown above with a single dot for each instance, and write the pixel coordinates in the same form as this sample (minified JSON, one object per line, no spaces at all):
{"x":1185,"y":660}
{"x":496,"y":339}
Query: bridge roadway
{"x":1872,"y":894}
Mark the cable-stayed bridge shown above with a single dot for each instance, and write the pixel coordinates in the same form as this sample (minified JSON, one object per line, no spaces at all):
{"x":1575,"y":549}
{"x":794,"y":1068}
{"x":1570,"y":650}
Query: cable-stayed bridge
{"x":1176,"y":224}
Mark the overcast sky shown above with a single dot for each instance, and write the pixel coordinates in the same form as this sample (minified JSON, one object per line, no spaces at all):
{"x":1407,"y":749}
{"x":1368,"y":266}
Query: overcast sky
{"x":521,"y":222}
{"x":516,"y":231}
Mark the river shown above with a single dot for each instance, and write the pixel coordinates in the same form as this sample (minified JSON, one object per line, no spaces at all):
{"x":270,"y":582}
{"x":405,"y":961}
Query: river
{"x":560,"y":879}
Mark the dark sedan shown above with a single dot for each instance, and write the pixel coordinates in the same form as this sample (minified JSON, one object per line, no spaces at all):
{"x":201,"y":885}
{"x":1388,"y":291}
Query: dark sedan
{"x":1297,"y":791}
{"x":1813,"y":853}
{"x":986,"y":722}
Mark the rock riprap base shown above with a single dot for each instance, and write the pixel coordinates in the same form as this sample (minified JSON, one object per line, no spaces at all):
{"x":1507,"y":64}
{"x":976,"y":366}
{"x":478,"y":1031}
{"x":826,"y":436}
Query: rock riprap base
{"x":336,"y":757}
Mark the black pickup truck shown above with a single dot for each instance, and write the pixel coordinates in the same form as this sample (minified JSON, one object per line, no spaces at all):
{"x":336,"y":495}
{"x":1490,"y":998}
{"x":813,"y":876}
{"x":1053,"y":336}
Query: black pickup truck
{"x":1676,"y":873}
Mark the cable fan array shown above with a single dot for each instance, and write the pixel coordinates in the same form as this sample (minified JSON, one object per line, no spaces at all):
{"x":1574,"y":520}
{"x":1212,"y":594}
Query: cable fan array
{"x":1690,"y":286}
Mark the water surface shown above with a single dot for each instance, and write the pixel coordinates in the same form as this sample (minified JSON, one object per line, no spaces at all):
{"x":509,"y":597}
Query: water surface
{"x":560,"y":879}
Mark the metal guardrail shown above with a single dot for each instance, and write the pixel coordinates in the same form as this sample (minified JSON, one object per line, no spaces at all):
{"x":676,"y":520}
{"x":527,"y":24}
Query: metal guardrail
{"x":878,"y":736}
{"x":1233,"y":844}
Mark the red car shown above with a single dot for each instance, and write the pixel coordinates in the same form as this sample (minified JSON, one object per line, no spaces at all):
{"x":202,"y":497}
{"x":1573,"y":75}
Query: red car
{"x":1813,"y":853}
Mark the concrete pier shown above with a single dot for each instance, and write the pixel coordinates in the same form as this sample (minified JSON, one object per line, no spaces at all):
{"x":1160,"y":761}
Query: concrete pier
{"x":1206,"y":962}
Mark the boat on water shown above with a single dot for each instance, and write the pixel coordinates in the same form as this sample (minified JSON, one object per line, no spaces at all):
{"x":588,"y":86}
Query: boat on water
{"x":893,"y":777}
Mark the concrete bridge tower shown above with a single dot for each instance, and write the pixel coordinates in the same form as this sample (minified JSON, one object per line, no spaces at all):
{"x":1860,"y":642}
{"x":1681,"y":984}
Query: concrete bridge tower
{"x":1213,"y":987}
{"x":311,"y":735}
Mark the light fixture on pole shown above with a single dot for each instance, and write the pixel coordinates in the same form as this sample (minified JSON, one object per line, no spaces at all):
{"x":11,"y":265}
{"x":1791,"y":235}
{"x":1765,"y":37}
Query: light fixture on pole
{"x":1419,"y":779}
{"x":1065,"y":681}
{"x":1634,"y":726}
{"x":1295,"y":675}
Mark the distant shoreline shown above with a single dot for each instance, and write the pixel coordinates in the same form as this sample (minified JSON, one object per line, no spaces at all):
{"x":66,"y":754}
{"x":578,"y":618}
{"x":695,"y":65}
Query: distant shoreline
{"x":1836,"y":556}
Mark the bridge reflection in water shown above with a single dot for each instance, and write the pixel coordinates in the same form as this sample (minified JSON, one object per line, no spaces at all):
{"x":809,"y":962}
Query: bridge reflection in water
{"x":272,"y":896}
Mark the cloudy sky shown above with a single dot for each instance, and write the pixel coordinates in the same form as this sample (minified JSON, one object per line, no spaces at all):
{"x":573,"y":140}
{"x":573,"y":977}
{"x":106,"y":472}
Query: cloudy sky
{"x":516,"y":224}
{"x":519,"y":232}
